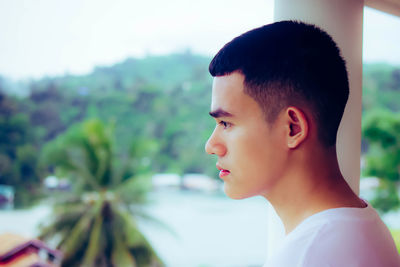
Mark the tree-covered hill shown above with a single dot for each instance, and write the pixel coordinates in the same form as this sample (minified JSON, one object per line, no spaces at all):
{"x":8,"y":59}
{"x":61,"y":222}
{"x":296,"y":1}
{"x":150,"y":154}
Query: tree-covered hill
{"x":157,"y":105}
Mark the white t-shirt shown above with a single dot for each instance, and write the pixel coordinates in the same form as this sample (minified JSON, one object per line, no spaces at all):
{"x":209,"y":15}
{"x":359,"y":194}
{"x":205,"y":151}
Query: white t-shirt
{"x":341,"y":237}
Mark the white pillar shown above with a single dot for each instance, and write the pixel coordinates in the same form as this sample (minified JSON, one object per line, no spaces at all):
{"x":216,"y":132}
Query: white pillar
{"x":343,"y":20}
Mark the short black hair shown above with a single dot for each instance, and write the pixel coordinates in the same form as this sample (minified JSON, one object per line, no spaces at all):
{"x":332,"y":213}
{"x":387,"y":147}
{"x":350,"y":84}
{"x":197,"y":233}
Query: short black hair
{"x":290,"y":63}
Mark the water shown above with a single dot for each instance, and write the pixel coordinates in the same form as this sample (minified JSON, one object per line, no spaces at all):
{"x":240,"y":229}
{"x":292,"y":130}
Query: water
{"x":23,"y":222}
{"x":210,"y":230}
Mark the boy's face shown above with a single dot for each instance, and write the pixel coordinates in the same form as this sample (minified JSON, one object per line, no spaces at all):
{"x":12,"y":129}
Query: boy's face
{"x":251,"y":153}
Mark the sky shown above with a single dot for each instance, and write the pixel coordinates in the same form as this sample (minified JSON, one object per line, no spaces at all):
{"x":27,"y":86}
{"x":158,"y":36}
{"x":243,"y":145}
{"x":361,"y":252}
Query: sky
{"x":54,"y":37}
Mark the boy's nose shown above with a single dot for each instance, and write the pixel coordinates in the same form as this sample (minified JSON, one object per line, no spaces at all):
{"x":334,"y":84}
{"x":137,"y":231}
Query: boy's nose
{"x":214,"y":146}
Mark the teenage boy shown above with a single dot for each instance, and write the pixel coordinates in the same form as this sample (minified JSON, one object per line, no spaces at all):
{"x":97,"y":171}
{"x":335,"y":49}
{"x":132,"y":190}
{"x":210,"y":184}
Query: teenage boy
{"x":278,"y":97}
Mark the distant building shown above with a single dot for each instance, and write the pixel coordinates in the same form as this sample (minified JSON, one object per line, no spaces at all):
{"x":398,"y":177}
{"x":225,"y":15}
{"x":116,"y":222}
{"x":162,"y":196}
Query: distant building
{"x":166,"y":180}
{"x":6,"y":197}
{"x":190,"y":181}
{"x":200,"y":182}
{"x":17,"y":251}
{"x":53,"y":183}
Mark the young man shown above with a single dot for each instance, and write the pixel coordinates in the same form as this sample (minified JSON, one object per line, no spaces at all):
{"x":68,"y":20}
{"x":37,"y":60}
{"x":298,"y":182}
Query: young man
{"x":278,"y":97}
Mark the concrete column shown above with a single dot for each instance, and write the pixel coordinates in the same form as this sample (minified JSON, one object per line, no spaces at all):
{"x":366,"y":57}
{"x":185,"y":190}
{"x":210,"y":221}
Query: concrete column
{"x":343,"y":20}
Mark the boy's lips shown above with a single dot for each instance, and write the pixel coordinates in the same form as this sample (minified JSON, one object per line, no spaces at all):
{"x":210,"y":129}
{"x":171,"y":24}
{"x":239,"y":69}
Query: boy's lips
{"x":222,"y":172}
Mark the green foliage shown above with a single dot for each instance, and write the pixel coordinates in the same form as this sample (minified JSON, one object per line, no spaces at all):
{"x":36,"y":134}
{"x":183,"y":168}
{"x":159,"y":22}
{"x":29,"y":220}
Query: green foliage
{"x":160,"y":103}
{"x":83,"y":151}
{"x":18,"y":155}
{"x":381,"y":87}
{"x":95,"y":225}
{"x":381,"y":132}
{"x":396,"y":237}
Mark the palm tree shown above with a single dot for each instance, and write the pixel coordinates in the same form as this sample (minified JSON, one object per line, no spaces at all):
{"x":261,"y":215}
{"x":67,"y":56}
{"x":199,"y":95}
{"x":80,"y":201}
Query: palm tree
{"x":95,"y":225}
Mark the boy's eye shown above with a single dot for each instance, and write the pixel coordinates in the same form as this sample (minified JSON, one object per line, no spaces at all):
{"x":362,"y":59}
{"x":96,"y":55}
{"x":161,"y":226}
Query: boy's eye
{"x":225,"y":124}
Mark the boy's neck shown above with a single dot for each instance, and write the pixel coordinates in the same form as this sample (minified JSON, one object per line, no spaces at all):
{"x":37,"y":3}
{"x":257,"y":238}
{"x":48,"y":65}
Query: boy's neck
{"x":312,"y":185}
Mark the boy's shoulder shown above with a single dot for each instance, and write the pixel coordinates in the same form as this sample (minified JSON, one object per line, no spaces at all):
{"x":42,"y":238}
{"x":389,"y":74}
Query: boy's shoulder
{"x":339,"y":237}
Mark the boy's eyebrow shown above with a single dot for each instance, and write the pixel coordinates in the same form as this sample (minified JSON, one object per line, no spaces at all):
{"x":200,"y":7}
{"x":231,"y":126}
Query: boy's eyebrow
{"x":220,"y":113}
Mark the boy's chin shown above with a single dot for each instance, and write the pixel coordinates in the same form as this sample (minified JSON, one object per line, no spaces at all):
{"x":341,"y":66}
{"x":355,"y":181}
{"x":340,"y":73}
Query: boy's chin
{"x":234,"y":193}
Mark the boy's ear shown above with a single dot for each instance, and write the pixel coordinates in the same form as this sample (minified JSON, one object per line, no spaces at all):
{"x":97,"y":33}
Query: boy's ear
{"x":298,"y":127}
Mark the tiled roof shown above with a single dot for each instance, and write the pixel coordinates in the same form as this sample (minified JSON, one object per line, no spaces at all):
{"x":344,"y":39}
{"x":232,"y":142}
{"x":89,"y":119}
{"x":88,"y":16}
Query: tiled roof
{"x":20,"y":251}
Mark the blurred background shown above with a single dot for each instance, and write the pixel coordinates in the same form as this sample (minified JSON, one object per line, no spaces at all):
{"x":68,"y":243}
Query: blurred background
{"x":103,"y":120}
